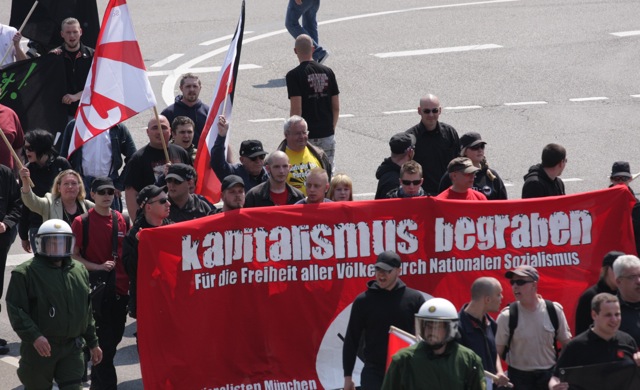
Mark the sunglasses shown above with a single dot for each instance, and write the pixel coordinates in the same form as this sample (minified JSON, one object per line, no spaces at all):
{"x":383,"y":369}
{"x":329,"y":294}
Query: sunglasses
{"x":622,"y":179}
{"x":409,"y":182}
{"x":520,"y":282}
{"x":161,"y":201}
{"x":431,"y":111}
{"x":476,"y":147}
{"x":107,"y":191}
{"x":256,"y":158}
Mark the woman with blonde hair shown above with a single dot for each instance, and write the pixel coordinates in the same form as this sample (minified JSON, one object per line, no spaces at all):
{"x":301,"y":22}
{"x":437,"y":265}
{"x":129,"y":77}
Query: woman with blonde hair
{"x":341,"y":188}
{"x":486,"y":180}
{"x":65,"y":201}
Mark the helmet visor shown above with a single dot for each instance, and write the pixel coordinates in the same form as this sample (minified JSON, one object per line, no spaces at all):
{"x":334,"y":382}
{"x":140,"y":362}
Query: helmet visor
{"x":55,"y":245}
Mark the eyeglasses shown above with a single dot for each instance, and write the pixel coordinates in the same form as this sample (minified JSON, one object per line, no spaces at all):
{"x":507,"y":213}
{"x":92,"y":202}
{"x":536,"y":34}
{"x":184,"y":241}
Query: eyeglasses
{"x":106,"y":191}
{"x":476,"y":147}
{"x":520,"y":282}
{"x":631,"y":277}
{"x":256,"y":158}
{"x":622,"y":179}
{"x":161,"y":201}
{"x":171,"y":180}
{"x":427,"y":111}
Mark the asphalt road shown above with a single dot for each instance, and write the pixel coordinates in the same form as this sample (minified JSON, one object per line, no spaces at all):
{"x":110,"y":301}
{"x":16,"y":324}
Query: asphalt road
{"x":540,"y":71}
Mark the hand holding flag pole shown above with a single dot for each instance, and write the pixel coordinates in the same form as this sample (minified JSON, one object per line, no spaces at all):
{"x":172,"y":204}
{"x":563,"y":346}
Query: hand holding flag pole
{"x":164,"y":141}
{"x":20,"y":31}
{"x":16,"y":159}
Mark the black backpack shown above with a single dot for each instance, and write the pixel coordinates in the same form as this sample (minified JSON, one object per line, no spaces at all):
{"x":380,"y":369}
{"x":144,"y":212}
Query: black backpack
{"x":513,"y":323}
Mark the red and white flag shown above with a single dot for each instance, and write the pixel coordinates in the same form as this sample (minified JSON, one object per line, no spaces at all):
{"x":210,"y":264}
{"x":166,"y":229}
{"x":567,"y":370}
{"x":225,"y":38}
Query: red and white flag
{"x":117,"y":87}
{"x":208,"y":184}
{"x":398,"y":339}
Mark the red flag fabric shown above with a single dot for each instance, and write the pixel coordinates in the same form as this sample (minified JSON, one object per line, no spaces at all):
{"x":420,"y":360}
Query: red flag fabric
{"x":117,"y":87}
{"x":398,"y":339}
{"x":253,"y":300}
{"x":208,"y":183}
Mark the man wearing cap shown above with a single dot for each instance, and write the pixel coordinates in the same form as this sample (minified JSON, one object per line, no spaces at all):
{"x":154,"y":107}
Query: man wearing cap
{"x":627,"y":271}
{"x":531,"y":347}
{"x":153,"y":211}
{"x":104,"y":263}
{"x":544,"y":179}
{"x":184,"y":205}
{"x":410,"y":181}
{"x":462,"y":173}
{"x":386,"y":302}
{"x":606,"y":284}
{"x":317,"y":185}
{"x":436,"y":143}
{"x":388,"y":173}
{"x":251,"y":165}
{"x":232,"y":194}
{"x":621,"y":175}
{"x":303,"y":156}
{"x":148,"y":164}
{"x":276,"y":191}
{"x":602,"y":343}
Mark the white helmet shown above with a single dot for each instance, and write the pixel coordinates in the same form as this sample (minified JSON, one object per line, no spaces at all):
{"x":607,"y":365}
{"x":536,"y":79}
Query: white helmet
{"x":55,"y":239}
{"x":437,"y":310}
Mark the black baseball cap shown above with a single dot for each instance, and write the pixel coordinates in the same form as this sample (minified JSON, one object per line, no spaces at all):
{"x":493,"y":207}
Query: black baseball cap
{"x":388,"y":260}
{"x":101,"y":183}
{"x":181,"y":172}
{"x":470,"y":139}
{"x":400,"y":142}
{"x":149,"y":192}
{"x":231,"y":181}
{"x":251,"y":148}
{"x":524,"y":271}
{"x":621,"y":169}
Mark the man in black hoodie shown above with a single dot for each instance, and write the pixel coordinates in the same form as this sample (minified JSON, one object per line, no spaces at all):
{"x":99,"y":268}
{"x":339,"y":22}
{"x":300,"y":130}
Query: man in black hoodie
{"x":544,"y":179}
{"x":388,"y":173}
{"x":387,"y":301}
{"x":188,"y":104}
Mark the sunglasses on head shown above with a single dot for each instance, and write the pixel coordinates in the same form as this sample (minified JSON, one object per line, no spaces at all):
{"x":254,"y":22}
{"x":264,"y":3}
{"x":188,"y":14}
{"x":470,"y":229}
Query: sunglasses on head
{"x":106,"y":191}
{"x":431,"y":111}
{"x":476,"y":147}
{"x":256,"y":158}
{"x":409,"y":182}
{"x":520,"y":282}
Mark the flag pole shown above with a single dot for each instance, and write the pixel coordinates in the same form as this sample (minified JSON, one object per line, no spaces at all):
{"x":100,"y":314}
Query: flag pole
{"x":20,"y":30}
{"x":15,"y":156}
{"x":164,"y":142}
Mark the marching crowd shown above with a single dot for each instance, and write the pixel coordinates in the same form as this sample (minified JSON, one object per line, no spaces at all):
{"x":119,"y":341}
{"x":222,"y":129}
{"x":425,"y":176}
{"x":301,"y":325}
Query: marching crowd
{"x":68,"y":212}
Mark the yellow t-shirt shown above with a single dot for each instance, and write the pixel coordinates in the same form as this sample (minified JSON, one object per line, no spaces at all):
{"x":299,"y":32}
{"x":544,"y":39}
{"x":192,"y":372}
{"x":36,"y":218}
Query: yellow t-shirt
{"x":301,"y":163}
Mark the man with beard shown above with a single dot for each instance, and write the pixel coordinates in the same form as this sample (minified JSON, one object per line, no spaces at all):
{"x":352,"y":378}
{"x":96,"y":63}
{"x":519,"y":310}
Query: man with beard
{"x":436,"y":361}
{"x":188,"y":104}
{"x":232,"y":194}
{"x":386,"y":302}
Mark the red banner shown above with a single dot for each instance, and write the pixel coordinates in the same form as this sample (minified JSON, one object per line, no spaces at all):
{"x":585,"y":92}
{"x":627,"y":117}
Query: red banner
{"x":259,"y":298}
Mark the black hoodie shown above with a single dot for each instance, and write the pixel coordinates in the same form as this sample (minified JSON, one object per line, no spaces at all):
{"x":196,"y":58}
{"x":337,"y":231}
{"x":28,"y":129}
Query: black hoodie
{"x":537,"y":184}
{"x":388,"y":175}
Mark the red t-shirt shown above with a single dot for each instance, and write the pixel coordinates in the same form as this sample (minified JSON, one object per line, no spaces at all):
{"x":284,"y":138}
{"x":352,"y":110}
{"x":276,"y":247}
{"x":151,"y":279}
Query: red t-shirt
{"x":10,"y":125}
{"x":281,"y":198}
{"x":469,"y":195}
{"x":101,"y":248}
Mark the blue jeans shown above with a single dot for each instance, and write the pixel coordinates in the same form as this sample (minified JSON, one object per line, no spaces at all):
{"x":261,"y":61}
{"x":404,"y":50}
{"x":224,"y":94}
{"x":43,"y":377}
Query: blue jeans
{"x":307,"y":11}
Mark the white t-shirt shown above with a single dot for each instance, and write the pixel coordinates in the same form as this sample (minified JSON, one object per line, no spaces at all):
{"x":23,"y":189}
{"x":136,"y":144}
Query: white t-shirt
{"x":532,"y":344}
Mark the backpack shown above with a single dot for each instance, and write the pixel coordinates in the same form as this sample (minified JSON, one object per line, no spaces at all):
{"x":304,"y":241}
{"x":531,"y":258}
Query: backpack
{"x":513,"y":323}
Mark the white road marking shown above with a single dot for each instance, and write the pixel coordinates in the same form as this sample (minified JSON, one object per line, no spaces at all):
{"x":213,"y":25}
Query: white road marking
{"x":525,"y":103}
{"x":626,"y":33}
{"x":170,"y":81}
{"x":570,"y":179}
{"x":398,"y":112}
{"x":635,"y":96}
{"x":462,"y":108}
{"x":12,"y":360}
{"x":267,"y":120}
{"x":589,"y":99}
{"x":346,"y":116}
{"x":209,"y":69}
{"x":436,"y":50}
{"x":365,"y":195}
{"x":167,"y":60}
{"x":221,"y":39}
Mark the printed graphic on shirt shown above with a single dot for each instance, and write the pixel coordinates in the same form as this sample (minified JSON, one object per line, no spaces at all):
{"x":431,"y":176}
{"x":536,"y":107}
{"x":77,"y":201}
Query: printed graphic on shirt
{"x":319,"y":83}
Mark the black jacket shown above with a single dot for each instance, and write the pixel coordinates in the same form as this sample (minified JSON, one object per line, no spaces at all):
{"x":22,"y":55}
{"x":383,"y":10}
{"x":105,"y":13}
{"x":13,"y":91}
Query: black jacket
{"x":537,"y":184}
{"x":388,"y":175}
{"x":260,"y":195}
{"x":10,"y":202}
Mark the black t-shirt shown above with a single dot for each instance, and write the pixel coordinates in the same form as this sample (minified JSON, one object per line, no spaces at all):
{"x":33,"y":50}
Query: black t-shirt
{"x":147,"y":165}
{"x":316,"y":85}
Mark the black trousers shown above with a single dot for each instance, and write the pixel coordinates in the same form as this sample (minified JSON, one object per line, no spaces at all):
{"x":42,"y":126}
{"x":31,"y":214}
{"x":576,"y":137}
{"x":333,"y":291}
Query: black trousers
{"x":110,"y":329}
{"x":530,"y":380}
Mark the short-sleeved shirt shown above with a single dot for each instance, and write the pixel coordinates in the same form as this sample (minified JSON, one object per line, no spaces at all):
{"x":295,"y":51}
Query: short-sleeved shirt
{"x":301,"y":164}
{"x":532,"y":344}
{"x":316,"y":85}
{"x":146,"y":165}
{"x":469,"y":195}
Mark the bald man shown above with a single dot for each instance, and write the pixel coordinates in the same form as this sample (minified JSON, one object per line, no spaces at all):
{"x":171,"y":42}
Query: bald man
{"x":437,"y":143}
{"x":313,"y":95}
{"x":147,"y":165}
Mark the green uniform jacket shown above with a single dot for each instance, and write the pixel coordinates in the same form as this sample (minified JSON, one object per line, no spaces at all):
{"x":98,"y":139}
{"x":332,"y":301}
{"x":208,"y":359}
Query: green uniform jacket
{"x":49,"y":301}
{"x":416,"y":367}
